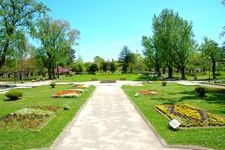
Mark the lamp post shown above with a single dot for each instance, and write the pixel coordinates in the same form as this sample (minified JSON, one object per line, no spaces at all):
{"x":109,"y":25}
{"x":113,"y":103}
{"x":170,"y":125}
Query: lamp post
{"x":209,"y":68}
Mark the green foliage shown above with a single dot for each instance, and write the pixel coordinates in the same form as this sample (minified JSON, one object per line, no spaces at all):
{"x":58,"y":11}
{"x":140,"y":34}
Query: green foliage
{"x":56,"y":39}
{"x":92,"y":69}
{"x":14,"y":94}
{"x":126,"y":59}
{"x":52,"y":84}
{"x":171,"y":43}
{"x":152,"y":54}
{"x":164,"y":83}
{"x":212,"y":53}
{"x":99,"y":62}
{"x":16,"y":15}
{"x":201,"y":91}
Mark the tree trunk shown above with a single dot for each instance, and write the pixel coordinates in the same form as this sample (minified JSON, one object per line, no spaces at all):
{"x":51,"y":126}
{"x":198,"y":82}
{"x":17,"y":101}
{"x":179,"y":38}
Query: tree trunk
{"x":49,"y":73}
{"x":214,"y":69}
{"x":3,"y":54}
{"x":182,"y":69}
{"x":58,"y":72}
{"x":53,"y":73}
{"x":170,"y":72}
{"x":157,"y":69}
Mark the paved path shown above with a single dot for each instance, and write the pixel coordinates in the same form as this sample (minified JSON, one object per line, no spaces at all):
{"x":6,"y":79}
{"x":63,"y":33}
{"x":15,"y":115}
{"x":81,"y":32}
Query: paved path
{"x":108,"y":122}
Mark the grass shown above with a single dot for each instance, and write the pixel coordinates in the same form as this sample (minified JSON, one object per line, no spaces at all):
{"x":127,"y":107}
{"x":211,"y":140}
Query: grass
{"x":39,"y":96}
{"x":173,"y":93}
{"x":99,"y":77}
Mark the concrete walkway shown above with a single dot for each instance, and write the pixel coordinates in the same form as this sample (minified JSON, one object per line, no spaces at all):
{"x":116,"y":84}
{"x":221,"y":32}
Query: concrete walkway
{"x":108,"y":122}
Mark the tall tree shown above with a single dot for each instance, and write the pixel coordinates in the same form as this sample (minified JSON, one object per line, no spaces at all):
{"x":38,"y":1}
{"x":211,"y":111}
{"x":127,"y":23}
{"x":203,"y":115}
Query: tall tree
{"x":173,"y":38}
{"x":57,"y":39}
{"x":126,"y":59}
{"x":151,"y":53}
{"x":22,"y":51}
{"x":211,"y":51}
{"x":16,"y":15}
{"x":184,"y":45}
{"x":163,"y":41}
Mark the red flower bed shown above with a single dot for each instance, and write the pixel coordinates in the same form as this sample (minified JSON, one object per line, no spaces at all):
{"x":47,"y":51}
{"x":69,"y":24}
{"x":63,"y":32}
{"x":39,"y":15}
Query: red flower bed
{"x":147,"y":92}
{"x":66,"y":93}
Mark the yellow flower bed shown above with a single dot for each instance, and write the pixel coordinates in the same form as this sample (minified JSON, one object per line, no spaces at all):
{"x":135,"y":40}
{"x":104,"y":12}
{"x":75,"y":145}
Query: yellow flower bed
{"x":190,"y":116}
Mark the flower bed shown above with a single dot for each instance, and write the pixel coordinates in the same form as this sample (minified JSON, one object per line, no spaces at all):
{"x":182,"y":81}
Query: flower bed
{"x":50,"y":108}
{"x":79,"y":86}
{"x":66,"y":94}
{"x":26,"y":118}
{"x":147,"y":92}
{"x":190,"y":116}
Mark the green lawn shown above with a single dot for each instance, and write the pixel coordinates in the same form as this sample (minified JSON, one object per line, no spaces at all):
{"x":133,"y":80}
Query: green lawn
{"x":39,"y":96}
{"x":87,"y":77}
{"x":174,"y":93}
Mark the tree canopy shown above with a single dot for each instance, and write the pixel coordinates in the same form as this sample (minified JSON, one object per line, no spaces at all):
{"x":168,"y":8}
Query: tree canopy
{"x":16,"y":15}
{"x":56,"y":39}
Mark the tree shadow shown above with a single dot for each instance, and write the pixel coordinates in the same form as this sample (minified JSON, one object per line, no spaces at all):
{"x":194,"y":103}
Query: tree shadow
{"x":147,"y":78}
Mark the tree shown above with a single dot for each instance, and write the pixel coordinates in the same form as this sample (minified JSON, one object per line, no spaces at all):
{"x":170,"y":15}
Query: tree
{"x":139,"y":65}
{"x":93,"y":68}
{"x":184,"y":45}
{"x":173,"y":39}
{"x":71,"y":56}
{"x":105,"y":66}
{"x":16,"y":15}
{"x":212,"y":52}
{"x":78,"y":66}
{"x":151,"y":53}
{"x":99,"y":62}
{"x":112,"y":66}
{"x":56,"y":39}
{"x":126,"y":59}
{"x":22,"y":51}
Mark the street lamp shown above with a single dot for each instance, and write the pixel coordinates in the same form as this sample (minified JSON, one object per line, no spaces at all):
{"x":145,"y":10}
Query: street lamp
{"x":209,"y":68}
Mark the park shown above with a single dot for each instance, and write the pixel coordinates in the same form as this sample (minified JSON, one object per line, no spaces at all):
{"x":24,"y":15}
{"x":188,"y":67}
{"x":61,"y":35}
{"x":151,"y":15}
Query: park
{"x":170,"y":95}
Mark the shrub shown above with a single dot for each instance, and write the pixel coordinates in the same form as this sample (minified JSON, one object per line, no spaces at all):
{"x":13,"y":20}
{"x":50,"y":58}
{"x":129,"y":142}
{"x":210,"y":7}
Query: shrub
{"x":123,"y":79}
{"x":164,"y":83}
{"x":52,"y":84}
{"x":14,"y":94}
{"x":108,"y":81}
{"x":200,"y":91}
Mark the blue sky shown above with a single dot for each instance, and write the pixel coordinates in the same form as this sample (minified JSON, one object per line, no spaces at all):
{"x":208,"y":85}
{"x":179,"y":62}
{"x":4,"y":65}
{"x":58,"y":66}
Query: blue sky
{"x":108,"y":25}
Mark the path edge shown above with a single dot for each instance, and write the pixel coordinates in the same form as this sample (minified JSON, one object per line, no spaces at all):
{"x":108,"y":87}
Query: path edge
{"x":70,"y":123}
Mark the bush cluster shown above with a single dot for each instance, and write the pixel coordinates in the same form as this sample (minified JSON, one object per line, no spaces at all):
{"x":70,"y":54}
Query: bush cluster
{"x":14,"y":94}
{"x":164,"y":83}
{"x":201,"y":91}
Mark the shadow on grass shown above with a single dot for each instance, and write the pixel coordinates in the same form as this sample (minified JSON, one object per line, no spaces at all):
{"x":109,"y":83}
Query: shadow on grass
{"x":147,"y":78}
{"x":10,"y":100}
{"x":211,"y":97}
